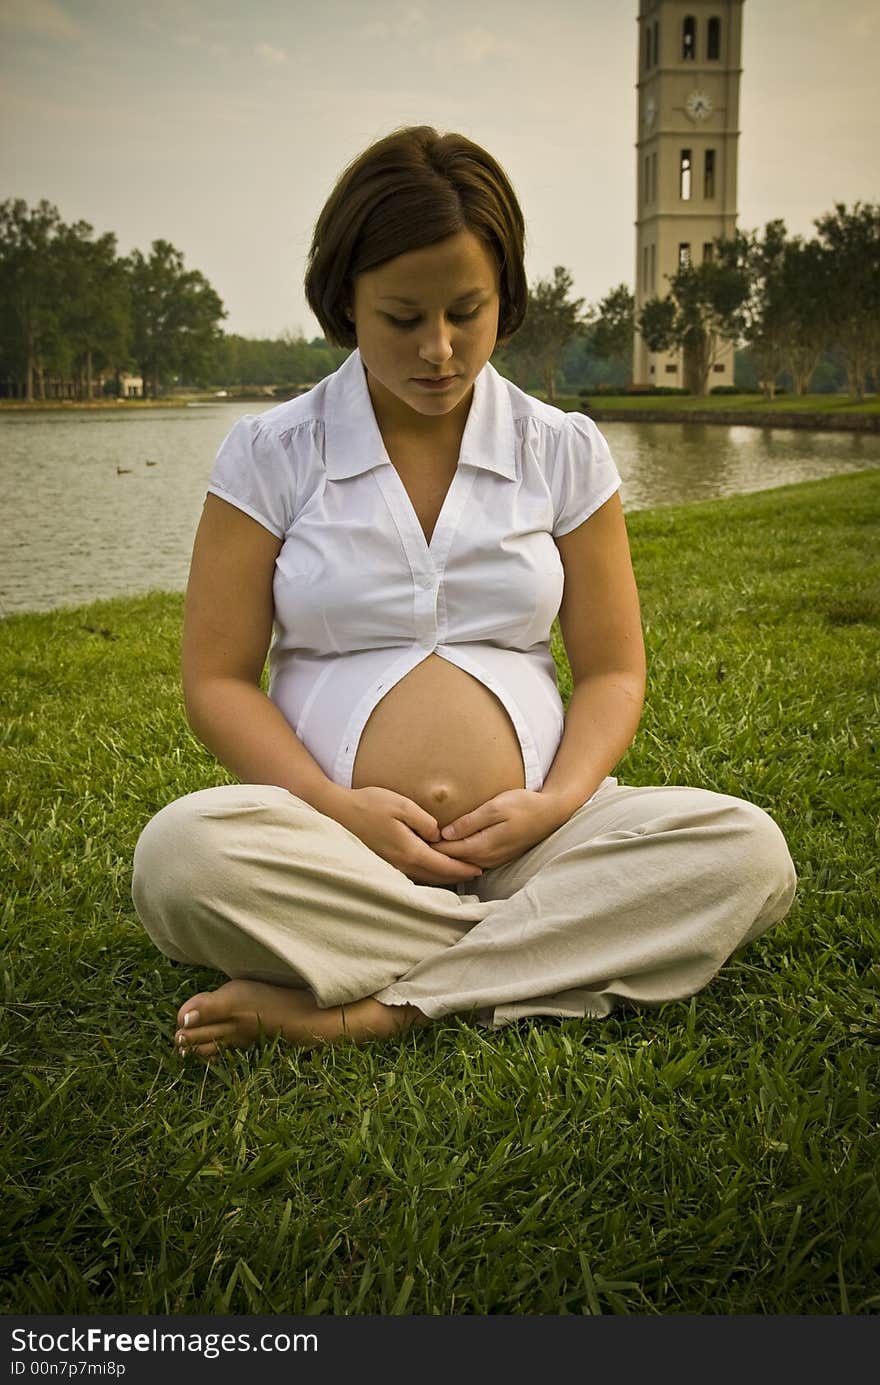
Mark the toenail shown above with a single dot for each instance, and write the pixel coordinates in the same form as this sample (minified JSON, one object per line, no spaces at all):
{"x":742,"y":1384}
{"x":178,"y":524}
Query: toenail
{"x":190,"y":1017}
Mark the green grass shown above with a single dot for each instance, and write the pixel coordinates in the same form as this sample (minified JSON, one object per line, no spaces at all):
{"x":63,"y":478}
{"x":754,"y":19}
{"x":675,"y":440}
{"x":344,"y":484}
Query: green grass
{"x":715,"y":403}
{"x":717,"y":1156}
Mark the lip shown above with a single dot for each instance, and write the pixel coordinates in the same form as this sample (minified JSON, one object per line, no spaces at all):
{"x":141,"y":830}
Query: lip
{"x":434,"y":382}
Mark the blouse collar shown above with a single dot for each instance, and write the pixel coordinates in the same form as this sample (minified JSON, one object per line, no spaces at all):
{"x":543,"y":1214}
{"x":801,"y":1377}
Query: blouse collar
{"x":353,"y":443}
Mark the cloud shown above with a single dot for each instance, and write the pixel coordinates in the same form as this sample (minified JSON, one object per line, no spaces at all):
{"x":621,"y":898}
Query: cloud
{"x":273,"y":56}
{"x":865,"y":25}
{"x":39,"y":17}
{"x":406,"y":20}
{"x":202,"y":45}
{"x":477,"y":44}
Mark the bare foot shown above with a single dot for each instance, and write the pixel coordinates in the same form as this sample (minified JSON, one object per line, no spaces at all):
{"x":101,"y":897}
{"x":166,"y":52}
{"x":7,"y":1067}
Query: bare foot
{"x":243,"y":1012}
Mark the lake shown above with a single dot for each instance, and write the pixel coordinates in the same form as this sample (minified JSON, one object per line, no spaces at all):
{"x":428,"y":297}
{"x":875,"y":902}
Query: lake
{"x":97,"y":504}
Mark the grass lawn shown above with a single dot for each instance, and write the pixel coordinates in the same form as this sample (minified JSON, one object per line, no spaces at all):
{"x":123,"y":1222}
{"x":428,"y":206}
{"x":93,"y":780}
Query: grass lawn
{"x":716,"y":1156}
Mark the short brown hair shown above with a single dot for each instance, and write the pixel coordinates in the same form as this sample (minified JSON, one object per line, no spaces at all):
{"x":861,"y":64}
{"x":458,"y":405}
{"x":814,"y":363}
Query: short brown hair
{"x":411,"y":189}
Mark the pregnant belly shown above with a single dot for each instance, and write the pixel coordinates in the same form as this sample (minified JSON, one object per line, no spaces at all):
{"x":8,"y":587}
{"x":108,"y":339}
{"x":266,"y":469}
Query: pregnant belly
{"x":442,"y":739}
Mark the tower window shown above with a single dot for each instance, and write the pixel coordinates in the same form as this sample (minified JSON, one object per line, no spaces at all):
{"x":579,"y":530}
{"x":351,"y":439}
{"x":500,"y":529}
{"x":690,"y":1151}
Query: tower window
{"x":654,"y":177}
{"x":709,"y":173}
{"x":656,"y":41}
{"x":708,"y":250}
{"x":689,"y":38}
{"x":647,"y":184}
{"x":649,"y":47}
{"x":684,"y":255}
{"x":645,"y":280}
{"x":653,"y":274}
{"x":684,"y":176}
{"x":713,"y":40}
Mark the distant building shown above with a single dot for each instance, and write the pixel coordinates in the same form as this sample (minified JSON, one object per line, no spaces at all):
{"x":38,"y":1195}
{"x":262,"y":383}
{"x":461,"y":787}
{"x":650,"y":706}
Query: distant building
{"x":57,"y":387}
{"x":688,"y":119}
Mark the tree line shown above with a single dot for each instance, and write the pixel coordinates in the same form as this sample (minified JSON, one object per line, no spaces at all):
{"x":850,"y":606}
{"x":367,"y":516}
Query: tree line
{"x":73,"y":310}
{"x":71,"y":307}
{"x":789,"y":301}
{"x":787,"y":298}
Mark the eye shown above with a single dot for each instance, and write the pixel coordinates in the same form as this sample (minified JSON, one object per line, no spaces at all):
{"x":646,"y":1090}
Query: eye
{"x":404,"y":322}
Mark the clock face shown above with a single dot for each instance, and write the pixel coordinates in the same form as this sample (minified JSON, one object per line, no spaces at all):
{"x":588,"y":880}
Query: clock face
{"x":650,"y":112}
{"x":698,"y":105}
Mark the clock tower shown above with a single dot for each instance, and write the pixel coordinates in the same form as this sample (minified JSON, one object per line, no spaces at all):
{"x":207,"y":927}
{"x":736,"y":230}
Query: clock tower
{"x":688,"y":118}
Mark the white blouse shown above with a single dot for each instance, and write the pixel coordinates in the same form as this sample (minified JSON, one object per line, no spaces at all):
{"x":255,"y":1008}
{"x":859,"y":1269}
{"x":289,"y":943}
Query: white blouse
{"x":361,"y":598}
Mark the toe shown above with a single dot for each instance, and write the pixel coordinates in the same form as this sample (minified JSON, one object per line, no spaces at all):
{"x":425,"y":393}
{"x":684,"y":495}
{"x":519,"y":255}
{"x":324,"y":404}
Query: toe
{"x":202,"y":1034}
{"x":198,"y":1007}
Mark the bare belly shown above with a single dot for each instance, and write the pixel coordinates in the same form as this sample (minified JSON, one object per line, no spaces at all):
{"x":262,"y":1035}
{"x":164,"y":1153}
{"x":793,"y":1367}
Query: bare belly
{"x":442,"y":739}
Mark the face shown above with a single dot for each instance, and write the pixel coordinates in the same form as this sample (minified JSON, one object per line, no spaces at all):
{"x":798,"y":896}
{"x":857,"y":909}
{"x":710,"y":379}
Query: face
{"x":429,"y":314}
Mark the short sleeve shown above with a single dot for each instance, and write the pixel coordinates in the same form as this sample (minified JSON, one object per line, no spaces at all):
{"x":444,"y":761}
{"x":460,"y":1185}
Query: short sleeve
{"x":254,"y":470}
{"x":582,"y":475}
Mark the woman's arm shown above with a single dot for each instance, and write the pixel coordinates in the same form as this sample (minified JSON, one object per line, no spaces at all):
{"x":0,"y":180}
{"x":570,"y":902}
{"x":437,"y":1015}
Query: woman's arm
{"x":602,"y":632}
{"x":226,"y":633}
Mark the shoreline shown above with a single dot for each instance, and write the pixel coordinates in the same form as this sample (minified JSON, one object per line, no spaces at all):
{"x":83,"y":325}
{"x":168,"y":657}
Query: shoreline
{"x":860,"y":419}
{"x":75,"y":406}
{"x":750,"y":418}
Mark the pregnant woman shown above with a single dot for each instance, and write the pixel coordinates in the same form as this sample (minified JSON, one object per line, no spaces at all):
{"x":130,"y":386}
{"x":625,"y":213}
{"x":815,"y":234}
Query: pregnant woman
{"x":419,"y":831}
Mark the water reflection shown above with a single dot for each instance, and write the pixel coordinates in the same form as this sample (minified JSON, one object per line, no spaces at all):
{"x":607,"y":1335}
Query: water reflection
{"x":102,"y":504}
{"x":668,"y":463}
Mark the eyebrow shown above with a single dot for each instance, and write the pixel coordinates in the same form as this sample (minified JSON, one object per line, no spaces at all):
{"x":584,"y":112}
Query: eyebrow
{"x":411,"y":302}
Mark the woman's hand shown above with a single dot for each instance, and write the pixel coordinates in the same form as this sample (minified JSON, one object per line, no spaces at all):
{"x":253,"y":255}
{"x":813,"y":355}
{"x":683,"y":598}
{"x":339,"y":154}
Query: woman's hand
{"x":403,"y":834}
{"x":502,"y":828}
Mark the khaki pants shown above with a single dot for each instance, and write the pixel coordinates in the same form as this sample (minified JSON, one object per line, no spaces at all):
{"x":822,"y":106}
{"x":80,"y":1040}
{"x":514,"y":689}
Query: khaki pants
{"x":641,"y":896}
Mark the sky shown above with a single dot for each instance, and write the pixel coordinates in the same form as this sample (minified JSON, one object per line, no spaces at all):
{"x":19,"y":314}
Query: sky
{"x":222,"y":126}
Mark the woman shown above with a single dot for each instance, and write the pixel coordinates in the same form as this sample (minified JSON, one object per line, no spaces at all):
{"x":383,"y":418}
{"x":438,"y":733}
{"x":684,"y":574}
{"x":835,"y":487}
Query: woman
{"x":418,"y":831}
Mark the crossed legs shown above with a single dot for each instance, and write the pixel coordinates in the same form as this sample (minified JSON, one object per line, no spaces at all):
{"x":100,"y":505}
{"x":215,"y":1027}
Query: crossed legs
{"x":642,"y":896}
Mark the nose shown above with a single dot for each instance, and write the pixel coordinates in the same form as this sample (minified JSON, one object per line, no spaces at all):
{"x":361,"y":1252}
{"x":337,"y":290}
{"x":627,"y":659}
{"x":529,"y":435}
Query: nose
{"x":435,"y":348}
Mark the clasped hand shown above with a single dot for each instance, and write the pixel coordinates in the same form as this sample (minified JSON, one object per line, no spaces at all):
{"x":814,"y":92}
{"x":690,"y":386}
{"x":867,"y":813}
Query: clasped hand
{"x":501,"y":829}
{"x":408,"y":837}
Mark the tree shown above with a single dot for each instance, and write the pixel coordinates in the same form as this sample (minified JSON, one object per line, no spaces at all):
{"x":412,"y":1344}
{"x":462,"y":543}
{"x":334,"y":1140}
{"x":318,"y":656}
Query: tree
{"x":550,"y":323}
{"x":175,"y":315}
{"x":95,"y":311}
{"x":807,"y":306}
{"x":786,"y":314}
{"x":29,"y":293}
{"x":851,"y":240}
{"x":763,"y":312}
{"x":702,"y":313}
{"x":612,"y":327}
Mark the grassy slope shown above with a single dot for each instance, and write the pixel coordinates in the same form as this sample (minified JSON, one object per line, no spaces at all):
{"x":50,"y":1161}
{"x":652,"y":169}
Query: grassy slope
{"x":718,"y":1156}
